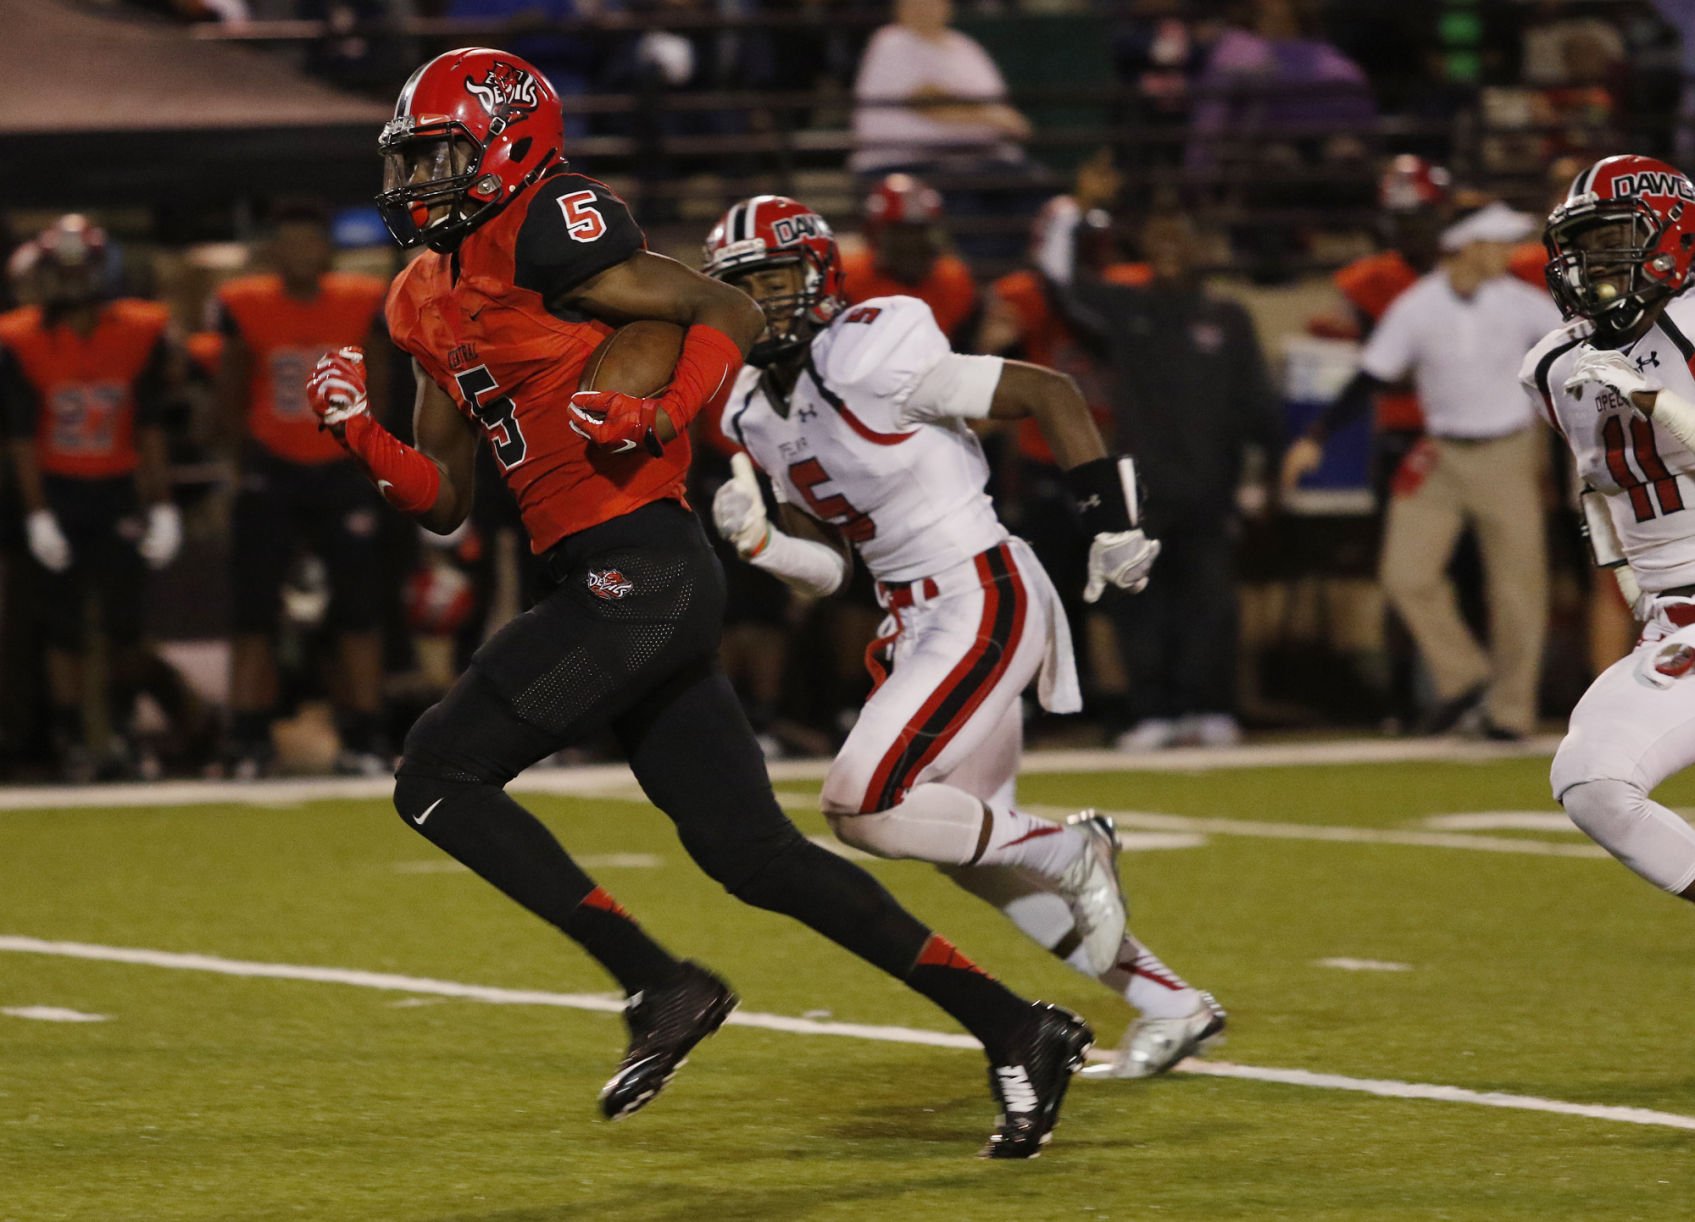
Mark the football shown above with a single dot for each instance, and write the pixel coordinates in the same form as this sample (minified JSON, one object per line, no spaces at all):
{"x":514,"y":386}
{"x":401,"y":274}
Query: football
{"x":637,"y":359}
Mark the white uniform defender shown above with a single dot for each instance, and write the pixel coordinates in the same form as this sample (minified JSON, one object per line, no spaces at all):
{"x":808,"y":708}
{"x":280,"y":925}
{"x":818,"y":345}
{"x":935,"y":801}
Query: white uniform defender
{"x":872,"y":441}
{"x":1635,"y":726}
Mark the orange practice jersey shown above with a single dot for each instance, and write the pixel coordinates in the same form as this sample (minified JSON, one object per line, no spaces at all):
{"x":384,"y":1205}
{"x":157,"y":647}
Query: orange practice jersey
{"x":1371,"y":284}
{"x":949,"y":290}
{"x":1048,"y":340}
{"x":485,"y":336}
{"x":286,"y":336}
{"x":84,"y":388}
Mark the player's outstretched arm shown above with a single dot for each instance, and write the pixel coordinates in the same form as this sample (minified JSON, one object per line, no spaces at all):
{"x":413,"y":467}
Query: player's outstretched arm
{"x":1052,"y":399}
{"x":1104,"y":489}
{"x":433,"y":482}
{"x":722,"y":323}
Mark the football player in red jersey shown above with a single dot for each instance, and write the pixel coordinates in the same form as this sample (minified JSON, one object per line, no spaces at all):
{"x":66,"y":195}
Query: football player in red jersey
{"x":82,"y":377}
{"x":530,"y":266}
{"x":298,"y":491}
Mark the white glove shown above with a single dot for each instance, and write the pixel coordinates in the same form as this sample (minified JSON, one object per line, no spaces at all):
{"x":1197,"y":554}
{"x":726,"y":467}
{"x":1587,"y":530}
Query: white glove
{"x":1119,"y":558}
{"x":47,"y":543}
{"x":1613,"y":370}
{"x":738,"y":511}
{"x":163,"y":537}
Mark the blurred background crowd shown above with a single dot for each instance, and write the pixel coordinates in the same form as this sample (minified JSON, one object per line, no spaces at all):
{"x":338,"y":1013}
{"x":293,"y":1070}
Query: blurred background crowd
{"x":192,"y":580}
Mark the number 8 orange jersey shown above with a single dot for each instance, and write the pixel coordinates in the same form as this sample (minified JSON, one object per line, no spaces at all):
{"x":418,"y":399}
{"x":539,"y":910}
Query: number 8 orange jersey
{"x":479,"y":323}
{"x":286,"y":336}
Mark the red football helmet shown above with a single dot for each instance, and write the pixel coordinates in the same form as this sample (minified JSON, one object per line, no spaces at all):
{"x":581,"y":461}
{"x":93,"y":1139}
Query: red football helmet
{"x":775,"y":231}
{"x":1622,"y":241}
{"x":901,"y":199}
{"x":1411,"y":183}
{"x":472,"y":128}
{"x":69,"y":263}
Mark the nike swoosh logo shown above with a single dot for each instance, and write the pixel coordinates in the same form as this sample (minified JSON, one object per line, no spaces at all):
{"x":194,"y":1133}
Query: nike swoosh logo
{"x":384,"y":487}
{"x":420,"y":819}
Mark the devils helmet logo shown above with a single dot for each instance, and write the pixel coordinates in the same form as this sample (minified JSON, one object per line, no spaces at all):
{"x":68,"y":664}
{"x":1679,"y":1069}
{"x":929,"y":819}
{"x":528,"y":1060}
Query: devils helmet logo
{"x":507,"y":92}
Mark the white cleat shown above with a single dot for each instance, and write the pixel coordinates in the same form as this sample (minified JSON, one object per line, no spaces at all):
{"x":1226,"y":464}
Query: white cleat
{"x":1153,"y":1045}
{"x":1090,"y":886}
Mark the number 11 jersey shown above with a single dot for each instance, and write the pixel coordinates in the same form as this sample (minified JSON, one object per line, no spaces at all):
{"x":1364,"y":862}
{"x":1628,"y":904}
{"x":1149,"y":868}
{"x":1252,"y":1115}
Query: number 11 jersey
{"x":1641,"y":468}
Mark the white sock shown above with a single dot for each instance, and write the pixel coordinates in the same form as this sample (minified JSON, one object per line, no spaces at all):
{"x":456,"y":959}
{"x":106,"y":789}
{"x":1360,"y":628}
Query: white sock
{"x":950,"y":827}
{"x":1148,"y":985}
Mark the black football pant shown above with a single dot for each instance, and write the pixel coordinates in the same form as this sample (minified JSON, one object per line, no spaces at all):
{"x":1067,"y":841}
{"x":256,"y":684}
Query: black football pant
{"x":627,"y":640}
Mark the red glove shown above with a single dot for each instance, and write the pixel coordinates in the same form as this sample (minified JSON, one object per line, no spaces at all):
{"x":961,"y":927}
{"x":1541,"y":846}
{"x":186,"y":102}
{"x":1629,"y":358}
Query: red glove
{"x":336,"y":389}
{"x":615,"y":420}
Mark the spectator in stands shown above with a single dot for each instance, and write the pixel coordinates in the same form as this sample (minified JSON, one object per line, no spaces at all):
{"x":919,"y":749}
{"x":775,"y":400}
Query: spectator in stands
{"x":1460,"y":333}
{"x":82,"y":377}
{"x":1191,"y":395}
{"x":906,"y":254}
{"x":299,"y":490}
{"x":1274,"y":103}
{"x":929,"y":100}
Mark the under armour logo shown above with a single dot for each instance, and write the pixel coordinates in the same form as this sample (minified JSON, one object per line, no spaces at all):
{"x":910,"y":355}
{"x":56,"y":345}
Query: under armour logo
{"x":806,"y":413}
{"x":1642,"y":362}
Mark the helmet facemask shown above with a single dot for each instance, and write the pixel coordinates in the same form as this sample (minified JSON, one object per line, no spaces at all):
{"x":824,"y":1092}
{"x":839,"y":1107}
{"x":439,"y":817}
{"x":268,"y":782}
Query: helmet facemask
{"x":1602,"y":262}
{"x":427,"y":169}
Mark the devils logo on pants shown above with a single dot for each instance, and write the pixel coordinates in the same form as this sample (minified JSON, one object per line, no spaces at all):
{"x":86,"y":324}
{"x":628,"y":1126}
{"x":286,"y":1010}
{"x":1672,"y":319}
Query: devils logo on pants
{"x":609,"y":584}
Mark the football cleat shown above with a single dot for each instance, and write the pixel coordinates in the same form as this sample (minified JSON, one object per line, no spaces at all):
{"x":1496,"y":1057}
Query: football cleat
{"x":665,"y":1023}
{"x":1153,"y":1045}
{"x":1090,"y":886}
{"x":1029,"y":1084}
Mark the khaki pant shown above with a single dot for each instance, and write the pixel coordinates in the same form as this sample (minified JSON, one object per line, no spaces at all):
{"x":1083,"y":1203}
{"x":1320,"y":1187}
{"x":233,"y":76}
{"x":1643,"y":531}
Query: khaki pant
{"x":1495,"y":487}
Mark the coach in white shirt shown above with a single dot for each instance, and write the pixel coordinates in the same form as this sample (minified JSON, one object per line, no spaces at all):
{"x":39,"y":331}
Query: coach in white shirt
{"x":1460,"y":333}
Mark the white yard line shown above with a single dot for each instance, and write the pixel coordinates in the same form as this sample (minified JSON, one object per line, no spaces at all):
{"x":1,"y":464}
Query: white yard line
{"x":594,"y":779}
{"x":1259,"y":829}
{"x":600,"y":1003}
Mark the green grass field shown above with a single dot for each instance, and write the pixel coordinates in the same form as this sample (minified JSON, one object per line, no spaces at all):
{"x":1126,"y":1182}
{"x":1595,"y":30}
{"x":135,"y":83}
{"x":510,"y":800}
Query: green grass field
{"x":211,"y":1096}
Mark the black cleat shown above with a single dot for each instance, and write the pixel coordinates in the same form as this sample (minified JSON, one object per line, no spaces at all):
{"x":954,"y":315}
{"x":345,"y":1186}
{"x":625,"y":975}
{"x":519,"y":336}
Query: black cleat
{"x":1030,"y":1082}
{"x":665,"y":1023}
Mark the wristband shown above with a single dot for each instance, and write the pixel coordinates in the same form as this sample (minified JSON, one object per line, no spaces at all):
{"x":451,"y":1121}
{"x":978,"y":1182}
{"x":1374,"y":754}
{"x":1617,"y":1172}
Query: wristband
{"x":707,"y":364}
{"x":407,"y":479}
{"x":1106,"y":494}
{"x":812,"y":568}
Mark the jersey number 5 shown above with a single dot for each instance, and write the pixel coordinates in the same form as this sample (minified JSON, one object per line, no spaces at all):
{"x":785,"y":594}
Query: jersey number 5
{"x":582,"y":219}
{"x":835,"y":509}
{"x":1648,"y":458}
{"x":496,"y":413}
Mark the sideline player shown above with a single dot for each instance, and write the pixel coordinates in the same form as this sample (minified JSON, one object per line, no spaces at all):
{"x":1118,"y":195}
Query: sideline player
{"x":1616,"y":383}
{"x":905,"y":254}
{"x":857,"y":413}
{"x":82,"y":379}
{"x":297,"y":487}
{"x":529,"y":264}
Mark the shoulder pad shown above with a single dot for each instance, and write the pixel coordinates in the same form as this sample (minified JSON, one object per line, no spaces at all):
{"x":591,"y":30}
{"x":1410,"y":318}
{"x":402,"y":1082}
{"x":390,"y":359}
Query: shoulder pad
{"x":880,"y":345}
